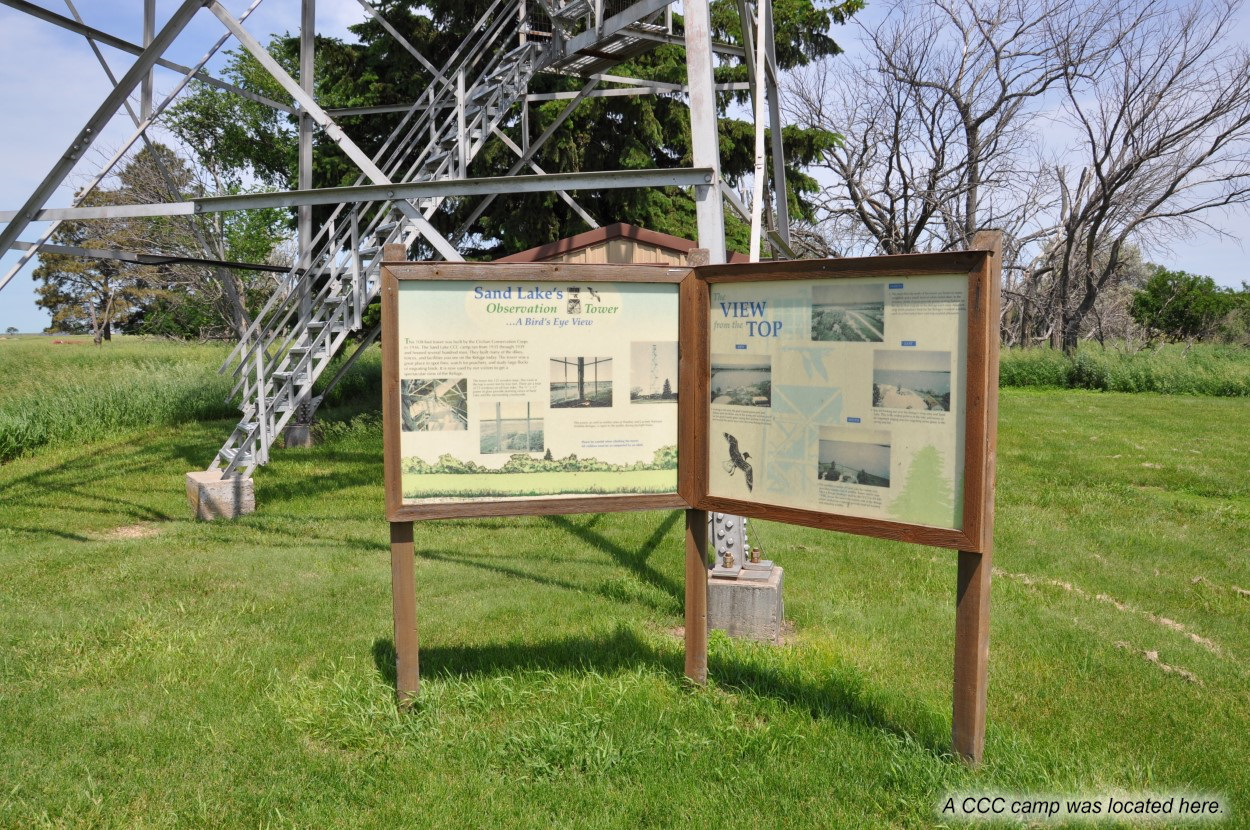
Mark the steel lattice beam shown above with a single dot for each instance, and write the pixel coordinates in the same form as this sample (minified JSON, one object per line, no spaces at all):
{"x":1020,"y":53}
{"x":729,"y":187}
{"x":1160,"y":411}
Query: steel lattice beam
{"x":616,"y":179}
{"x":181,"y":17}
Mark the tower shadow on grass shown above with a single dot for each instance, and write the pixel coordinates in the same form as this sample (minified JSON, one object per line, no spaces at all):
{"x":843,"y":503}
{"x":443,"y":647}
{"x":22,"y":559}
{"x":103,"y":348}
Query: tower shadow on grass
{"x":839,"y":696}
{"x":634,"y":560}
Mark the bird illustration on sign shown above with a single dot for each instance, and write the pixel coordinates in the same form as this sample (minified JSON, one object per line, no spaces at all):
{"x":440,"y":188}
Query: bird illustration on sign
{"x":738,"y":461}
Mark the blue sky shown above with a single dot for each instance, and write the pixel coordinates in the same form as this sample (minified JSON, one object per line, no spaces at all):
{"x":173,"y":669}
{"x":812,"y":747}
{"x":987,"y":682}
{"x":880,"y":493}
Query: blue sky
{"x":50,"y":82}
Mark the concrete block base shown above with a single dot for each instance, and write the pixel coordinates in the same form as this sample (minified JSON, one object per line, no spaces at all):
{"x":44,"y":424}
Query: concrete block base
{"x":750,"y":609}
{"x":214,"y":497}
{"x":297,"y":435}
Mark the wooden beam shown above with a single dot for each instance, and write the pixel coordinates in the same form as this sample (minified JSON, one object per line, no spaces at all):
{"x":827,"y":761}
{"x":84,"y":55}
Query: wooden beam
{"x":404,"y":602}
{"x":403,"y":565}
{"x":696,"y":595}
{"x":972,"y":651}
{"x":696,"y":520}
{"x":972,"y":600}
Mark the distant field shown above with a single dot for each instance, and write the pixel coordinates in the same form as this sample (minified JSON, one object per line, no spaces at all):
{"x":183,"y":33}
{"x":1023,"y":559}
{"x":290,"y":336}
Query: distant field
{"x":1202,"y":369}
{"x":72,"y":391}
{"x":471,"y":485}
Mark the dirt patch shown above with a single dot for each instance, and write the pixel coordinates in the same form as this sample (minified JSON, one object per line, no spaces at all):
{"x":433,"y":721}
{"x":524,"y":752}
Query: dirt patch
{"x":1171,"y":625}
{"x":131,"y":532}
{"x":1153,"y":657}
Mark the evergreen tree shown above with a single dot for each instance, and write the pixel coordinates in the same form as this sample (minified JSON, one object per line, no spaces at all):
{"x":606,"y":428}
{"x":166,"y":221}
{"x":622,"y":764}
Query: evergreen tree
{"x":926,"y":496}
{"x":667,"y":394}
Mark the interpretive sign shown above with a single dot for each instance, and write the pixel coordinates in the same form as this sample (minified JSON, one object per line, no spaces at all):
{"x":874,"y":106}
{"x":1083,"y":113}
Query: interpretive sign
{"x":520,"y":393}
{"x":839,"y":393}
{"x":857,"y":395}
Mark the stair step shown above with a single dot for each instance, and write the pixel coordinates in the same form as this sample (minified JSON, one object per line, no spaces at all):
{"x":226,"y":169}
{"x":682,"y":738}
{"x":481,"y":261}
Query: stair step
{"x":300,"y":379}
{"x":228,"y":455}
{"x":247,"y":425}
{"x":483,"y":91}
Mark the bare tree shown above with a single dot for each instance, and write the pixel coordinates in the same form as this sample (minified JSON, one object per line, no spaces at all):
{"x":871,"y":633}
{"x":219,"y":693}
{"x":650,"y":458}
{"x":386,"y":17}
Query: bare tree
{"x":936,"y":116}
{"x":1077,"y":127}
{"x":1163,"y":119}
{"x":894,"y":179}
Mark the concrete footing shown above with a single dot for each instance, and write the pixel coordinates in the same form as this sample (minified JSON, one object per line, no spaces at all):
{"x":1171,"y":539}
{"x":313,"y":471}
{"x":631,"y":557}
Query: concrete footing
{"x":297,"y":435}
{"x":751,"y":609}
{"x":214,"y":497}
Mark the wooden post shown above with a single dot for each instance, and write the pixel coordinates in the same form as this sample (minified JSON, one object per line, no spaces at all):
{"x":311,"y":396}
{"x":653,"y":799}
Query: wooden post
{"x":404,"y":605}
{"x":696,"y":595}
{"x":972,"y":652}
{"x":696,"y":525}
{"x":972,"y":599}
{"x":403,"y":570}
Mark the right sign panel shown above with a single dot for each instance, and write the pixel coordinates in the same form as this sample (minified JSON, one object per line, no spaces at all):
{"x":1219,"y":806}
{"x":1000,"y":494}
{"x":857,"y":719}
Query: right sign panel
{"x":843,"y":396}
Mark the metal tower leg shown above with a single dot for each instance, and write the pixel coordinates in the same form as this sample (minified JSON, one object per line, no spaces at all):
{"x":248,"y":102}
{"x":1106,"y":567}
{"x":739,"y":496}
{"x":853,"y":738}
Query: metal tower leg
{"x":704,"y":138}
{"x":299,"y":432}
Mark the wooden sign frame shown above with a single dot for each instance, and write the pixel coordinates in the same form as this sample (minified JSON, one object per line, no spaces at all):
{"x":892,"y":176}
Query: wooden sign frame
{"x":974,"y":540}
{"x":395,"y":272}
{"x":981,"y":383}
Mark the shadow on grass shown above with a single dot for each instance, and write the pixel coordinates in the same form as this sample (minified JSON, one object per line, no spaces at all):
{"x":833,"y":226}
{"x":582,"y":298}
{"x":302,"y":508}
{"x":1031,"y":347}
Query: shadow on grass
{"x":635,"y":560}
{"x":101,"y":478}
{"x":839,"y":695}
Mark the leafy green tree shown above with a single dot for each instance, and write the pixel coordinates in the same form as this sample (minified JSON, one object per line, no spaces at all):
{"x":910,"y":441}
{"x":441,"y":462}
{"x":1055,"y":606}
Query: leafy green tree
{"x":1181,"y":306}
{"x":92,"y":296}
{"x":176,"y":298}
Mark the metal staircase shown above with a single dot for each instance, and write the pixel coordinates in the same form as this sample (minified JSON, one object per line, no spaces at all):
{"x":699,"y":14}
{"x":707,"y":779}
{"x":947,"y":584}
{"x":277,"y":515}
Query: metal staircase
{"x":320,"y":302}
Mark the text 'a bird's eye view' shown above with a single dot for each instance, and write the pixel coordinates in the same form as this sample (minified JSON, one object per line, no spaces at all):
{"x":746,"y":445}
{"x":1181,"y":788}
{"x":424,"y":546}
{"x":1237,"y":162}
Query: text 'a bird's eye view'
{"x":624,"y":413}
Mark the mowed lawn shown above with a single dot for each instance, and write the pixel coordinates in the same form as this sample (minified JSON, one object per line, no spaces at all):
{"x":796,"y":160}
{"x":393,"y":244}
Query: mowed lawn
{"x":159,"y":672}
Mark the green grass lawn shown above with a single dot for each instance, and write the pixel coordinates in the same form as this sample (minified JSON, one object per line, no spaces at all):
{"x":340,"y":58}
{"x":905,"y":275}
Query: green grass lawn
{"x":159,"y":672}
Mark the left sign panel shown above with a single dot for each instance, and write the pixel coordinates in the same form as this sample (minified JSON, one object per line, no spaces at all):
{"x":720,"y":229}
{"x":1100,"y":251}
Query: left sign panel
{"x":533,"y":390}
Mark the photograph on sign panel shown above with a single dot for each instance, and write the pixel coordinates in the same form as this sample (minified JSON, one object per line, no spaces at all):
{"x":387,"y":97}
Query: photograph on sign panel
{"x":911,"y":380}
{"x":848,"y":313}
{"x":653,"y":373}
{"x":742,"y":380}
{"x":578,"y":381}
{"x":854,"y":456}
{"x":438,"y":405}
{"x":511,"y":426}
